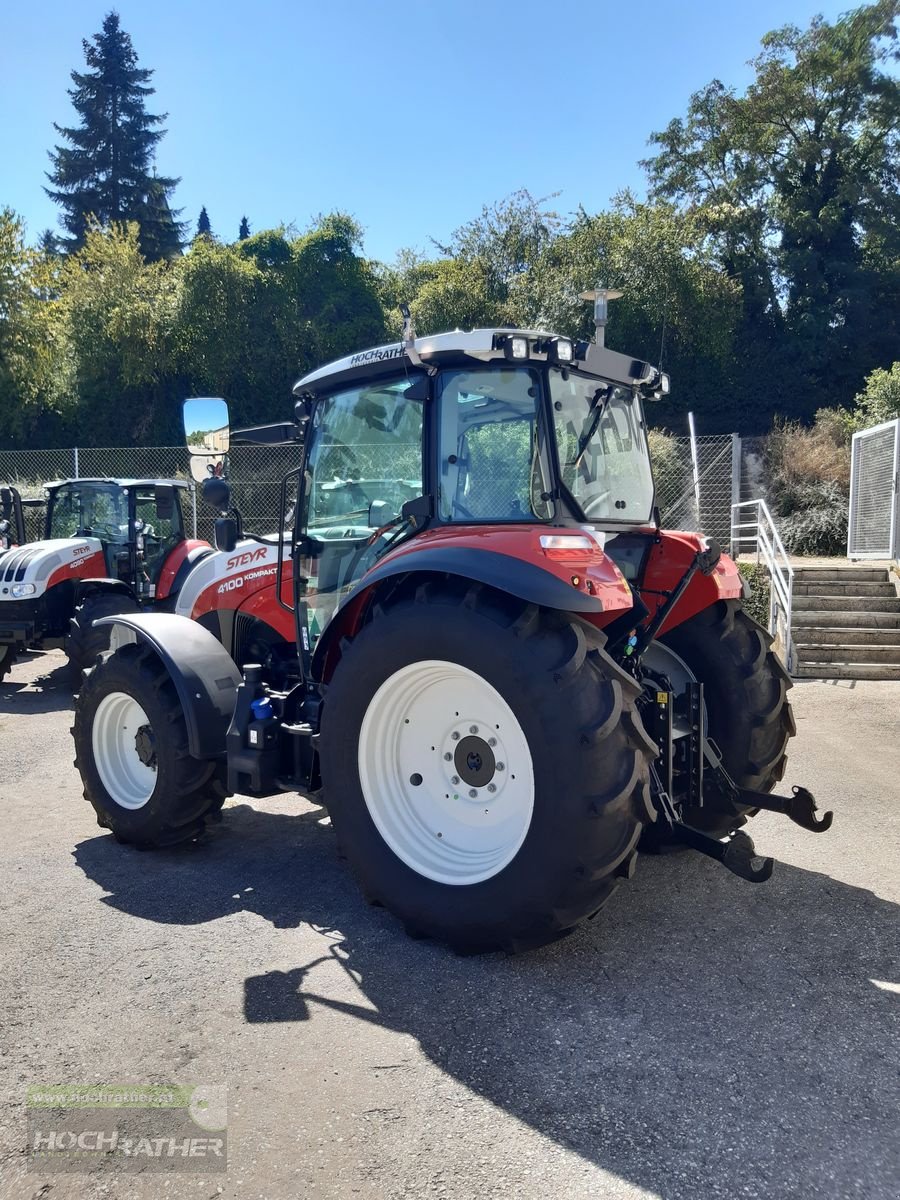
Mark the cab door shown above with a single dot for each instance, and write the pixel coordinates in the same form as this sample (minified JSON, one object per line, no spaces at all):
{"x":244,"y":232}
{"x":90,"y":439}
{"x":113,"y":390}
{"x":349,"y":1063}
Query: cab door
{"x":364,"y":463}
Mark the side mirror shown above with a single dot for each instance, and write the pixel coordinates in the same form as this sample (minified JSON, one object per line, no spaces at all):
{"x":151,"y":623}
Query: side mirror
{"x":206,"y":427}
{"x":380,"y":513}
{"x":226,"y":534}
{"x":207,"y":433}
{"x":217,"y":492}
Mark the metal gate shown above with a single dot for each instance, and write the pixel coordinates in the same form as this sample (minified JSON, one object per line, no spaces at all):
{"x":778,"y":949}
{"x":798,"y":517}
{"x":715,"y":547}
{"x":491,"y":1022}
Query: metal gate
{"x":874,"y":494}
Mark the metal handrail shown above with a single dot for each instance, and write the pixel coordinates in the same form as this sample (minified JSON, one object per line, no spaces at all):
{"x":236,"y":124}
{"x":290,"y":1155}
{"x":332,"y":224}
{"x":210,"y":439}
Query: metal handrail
{"x":769,"y":549}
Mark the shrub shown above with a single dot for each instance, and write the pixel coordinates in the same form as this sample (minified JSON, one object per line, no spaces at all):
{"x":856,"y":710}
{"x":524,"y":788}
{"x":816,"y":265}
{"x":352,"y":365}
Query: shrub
{"x":810,"y":482}
{"x":757,"y":606}
{"x":818,"y":521}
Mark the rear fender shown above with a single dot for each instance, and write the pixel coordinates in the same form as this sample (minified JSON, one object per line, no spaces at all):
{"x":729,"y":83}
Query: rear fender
{"x":203,"y":672}
{"x":516,"y":576}
{"x":670,"y":556}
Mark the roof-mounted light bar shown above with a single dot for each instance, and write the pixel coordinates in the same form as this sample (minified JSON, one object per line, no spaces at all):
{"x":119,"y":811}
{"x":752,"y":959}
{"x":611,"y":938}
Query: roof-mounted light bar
{"x":516,"y":348}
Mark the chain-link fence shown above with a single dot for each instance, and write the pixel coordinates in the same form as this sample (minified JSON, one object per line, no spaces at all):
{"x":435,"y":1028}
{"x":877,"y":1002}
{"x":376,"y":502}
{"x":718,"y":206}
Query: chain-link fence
{"x":717,"y":481}
{"x":256,"y":472}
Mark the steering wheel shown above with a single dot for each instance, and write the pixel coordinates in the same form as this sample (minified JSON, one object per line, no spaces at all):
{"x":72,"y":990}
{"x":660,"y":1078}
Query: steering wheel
{"x":595,"y":501}
{"x":106,"y":533}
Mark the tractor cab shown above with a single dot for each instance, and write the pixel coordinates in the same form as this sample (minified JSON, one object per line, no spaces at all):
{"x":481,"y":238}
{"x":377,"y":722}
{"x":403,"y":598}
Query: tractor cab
{"x":138,"y":522}
{"x":108,"y":545}
{"x":497,"y":430}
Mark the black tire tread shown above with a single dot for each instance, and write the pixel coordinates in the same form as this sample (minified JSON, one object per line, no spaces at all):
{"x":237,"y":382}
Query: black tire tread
{"x":85,"y":643}
{"x":7,"y":661}
{"x":581,"y":673}
{"x":756,"y":685}
{"x":198,"y":790}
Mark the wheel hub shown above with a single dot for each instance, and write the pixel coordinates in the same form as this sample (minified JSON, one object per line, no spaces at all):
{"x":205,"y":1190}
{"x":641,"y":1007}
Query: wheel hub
{"x":145,"y":745}
{"x":474,"y":761}
{"x":446,"y":772}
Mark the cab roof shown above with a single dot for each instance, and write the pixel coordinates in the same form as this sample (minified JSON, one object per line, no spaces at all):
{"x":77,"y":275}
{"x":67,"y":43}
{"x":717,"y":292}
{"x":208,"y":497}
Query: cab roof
{"x":123,"y":483}
{"x":484,"y":345}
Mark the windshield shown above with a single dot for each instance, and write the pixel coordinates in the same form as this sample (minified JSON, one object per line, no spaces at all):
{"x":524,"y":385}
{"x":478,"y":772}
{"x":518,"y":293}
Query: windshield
{"x":90,"y":509}
{"x":602,"y":448}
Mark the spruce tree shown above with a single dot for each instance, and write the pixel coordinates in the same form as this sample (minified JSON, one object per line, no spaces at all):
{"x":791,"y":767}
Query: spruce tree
{"x":204,"y":229}
{"x":48,"y":243}
{"x":105,"y":171}
{"x":244,"y":231}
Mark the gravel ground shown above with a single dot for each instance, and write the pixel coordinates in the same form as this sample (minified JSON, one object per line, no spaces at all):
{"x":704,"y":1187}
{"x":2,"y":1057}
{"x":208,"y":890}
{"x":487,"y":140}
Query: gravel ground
{"x":703,"y":1038}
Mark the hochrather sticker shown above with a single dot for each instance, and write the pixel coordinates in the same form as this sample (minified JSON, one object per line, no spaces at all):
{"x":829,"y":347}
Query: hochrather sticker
{"x":127,"y":1127}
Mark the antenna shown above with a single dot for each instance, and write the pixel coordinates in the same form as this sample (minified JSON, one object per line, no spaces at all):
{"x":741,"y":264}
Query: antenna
{"x":601,"y":296}
{"x":409,"y":333}
{"x":409,"y":339}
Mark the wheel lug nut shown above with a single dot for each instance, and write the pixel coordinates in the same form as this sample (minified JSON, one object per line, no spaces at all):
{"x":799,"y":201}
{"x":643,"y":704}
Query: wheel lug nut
{"x":473,"y":729}
{"x":472,"y":793}
{"x":455,"y":736}
{"x":501,"y":766}
{"x":492,"y":787}
{"x":447,"y":756}
{"x":492,"y":741}
{"x":454,"y":779}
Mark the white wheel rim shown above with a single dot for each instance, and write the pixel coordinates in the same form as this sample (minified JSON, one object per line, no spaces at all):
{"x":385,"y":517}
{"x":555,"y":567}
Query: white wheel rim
{"x":118,"y":722}
{"x":459,"y":832}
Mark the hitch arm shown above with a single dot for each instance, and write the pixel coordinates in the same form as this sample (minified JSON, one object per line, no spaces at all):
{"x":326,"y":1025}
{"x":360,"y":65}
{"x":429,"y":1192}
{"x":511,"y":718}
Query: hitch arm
{"x":737,"y":853}
{"x":800,"y":807}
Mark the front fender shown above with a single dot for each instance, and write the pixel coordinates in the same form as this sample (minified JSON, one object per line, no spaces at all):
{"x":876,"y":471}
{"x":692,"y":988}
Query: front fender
{"x":203,"y":672}
{"x":83,"y":587}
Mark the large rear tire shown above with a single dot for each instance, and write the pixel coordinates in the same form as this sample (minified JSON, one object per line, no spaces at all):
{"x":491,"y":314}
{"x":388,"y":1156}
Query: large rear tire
{"x":520,"y":848}
{"x":131,"y":748}
{"x":745,"y":686}
{"x":85,"y":642}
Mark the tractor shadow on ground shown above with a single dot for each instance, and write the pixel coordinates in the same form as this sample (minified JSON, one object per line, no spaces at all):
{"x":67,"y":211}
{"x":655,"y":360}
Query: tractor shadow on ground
{"x":703,"y":1037}
{"x":36,"y":686}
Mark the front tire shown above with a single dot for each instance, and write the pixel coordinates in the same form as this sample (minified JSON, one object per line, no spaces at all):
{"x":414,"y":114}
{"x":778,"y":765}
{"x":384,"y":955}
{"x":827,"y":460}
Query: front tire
{"x":7,"y":658}
{"x":85,"y":642}
{"x":522,"y":847}
{"x":131,"y":748}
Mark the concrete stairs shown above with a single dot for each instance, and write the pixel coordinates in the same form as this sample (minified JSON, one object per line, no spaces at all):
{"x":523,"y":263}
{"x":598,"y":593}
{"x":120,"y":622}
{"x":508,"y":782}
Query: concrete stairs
{"x":846,"y":623}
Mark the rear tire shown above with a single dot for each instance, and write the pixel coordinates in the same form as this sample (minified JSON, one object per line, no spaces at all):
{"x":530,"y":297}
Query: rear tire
{"x":85,"y":643}
{"x":745,"y":686}
{"x":554,"y":842}
{"x":131,"y":748}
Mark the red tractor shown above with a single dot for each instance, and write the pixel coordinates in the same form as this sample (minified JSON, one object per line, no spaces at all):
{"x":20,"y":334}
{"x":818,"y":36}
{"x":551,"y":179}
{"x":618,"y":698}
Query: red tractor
{"x":502,"y":674}
{"x":109,"y":546}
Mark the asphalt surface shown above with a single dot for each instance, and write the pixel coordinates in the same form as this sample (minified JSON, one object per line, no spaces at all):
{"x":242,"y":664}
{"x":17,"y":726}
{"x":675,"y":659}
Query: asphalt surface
{"x":704,"y":1037}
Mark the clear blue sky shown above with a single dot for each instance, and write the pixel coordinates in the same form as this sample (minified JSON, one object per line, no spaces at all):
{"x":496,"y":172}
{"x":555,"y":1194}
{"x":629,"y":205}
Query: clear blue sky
{"x":408,"y":115}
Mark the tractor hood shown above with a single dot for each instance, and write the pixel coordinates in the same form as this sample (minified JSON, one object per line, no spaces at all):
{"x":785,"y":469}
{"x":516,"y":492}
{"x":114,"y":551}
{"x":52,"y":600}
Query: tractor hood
{"x":26,"y":572}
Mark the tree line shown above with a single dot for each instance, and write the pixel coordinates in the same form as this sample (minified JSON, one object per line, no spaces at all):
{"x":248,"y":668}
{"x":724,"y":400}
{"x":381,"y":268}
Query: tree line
{"x":762,"y":270}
